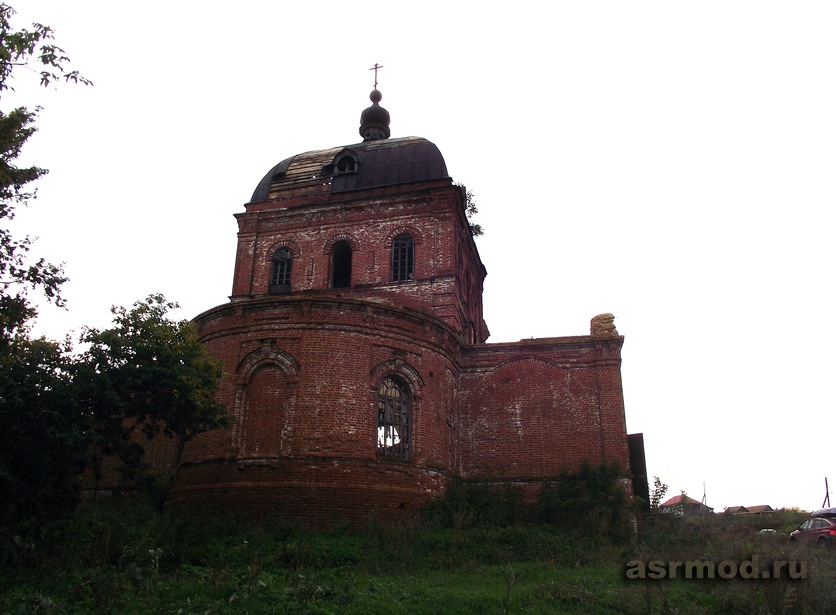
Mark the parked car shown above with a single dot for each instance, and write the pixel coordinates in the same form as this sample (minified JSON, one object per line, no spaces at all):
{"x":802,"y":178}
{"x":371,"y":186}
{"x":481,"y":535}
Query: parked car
{"x":819,"y":530}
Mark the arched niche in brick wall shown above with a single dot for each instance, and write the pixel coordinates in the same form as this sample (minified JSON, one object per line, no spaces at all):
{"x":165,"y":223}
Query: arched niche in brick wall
{"x":266,"y":354}
{"x":264,"y":403}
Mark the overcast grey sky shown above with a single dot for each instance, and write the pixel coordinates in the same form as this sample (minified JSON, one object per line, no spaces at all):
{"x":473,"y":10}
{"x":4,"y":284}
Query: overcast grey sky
{"x":669,"y":162}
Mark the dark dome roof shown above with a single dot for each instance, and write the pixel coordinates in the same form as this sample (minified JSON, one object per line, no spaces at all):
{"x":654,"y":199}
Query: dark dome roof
{"x":370,"y":164}
{"x":374,"y":121}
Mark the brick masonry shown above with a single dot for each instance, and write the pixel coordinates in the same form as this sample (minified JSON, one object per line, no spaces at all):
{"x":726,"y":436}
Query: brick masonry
{"x":303,"y":367}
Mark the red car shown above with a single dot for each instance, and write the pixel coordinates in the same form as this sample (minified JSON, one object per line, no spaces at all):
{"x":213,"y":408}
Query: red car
{"x":820,"y":530}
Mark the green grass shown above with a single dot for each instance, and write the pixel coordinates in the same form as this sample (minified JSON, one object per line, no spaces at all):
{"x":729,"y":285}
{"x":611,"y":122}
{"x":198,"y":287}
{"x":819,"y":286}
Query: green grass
{"x":137,"y":561}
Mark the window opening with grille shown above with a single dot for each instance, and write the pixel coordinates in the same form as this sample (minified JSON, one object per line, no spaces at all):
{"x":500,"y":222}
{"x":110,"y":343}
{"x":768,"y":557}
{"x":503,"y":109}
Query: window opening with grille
{"x":403,"y":258}
{"x":394,"y":417}
{"x":280,"y":270}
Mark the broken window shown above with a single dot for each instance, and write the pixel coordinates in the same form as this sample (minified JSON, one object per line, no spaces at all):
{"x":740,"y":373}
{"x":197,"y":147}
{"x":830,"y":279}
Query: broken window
{"x":403,"y":258}
{"x":341,"y":265}
{"x":280,"y":270}
{"x":394,"y":416}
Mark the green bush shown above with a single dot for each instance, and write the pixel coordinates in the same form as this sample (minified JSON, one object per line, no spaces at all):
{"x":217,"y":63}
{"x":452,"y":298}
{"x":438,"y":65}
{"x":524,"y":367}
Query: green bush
{"x":476,"y":504}
{"x":590,"y":502}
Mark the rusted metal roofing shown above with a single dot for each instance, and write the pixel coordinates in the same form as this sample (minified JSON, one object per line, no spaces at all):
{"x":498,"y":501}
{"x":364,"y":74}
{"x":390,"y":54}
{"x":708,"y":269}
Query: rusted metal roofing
{"x":377,"y":163}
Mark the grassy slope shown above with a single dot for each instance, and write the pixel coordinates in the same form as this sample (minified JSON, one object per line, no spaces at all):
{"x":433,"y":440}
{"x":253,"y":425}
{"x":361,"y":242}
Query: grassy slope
{"x":135,"y":561}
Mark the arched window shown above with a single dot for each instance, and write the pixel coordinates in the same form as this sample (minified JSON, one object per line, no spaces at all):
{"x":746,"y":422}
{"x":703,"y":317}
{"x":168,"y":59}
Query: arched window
{"x":346,"y":164}
{"x":341,"y":265}
{"x":394,"y":419}
{"x":403,"y":258}
{"x":280,"y":271}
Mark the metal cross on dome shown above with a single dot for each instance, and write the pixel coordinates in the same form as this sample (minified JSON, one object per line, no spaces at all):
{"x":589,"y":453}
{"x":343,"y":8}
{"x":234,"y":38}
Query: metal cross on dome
{"x":374,"y":68}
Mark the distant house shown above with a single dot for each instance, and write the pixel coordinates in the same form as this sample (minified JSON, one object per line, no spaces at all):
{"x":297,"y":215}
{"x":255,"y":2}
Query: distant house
{"x":682,"y":505}
{"x":761,"y":509}
{"x":734,"y":510}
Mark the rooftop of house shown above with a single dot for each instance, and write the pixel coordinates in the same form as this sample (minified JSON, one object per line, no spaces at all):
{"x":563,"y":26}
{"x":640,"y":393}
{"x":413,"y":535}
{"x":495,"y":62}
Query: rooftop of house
{"x":681,"y":499}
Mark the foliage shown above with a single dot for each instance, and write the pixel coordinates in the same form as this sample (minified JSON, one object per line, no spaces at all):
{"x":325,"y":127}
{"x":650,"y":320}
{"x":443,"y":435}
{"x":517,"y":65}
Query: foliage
{"x":25,"y":47}
{"x":60,"y":411}
{"x":57,"y":409}
{"x":590,"y":502}
{"x":658,"y":493}
{"x":42,"y":437}
{"x":475,"y":229}
{"x":147,"y":373}
{"x":471,"y":210}
{"x":473,"y":504}
{"x":135,"y":560}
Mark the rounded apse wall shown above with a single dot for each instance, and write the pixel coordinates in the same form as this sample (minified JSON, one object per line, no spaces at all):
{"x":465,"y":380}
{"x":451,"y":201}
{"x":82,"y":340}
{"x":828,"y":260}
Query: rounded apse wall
{"x":315,"y":434}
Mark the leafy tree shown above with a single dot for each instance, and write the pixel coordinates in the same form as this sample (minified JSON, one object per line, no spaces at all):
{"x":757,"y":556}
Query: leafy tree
{"x":658,"y":493}
{"x":147,"y":375}
{"x":23,"y":48}
{"x":43,"y":439}
{"x":26,"y":47}
{"x":41,"y":436}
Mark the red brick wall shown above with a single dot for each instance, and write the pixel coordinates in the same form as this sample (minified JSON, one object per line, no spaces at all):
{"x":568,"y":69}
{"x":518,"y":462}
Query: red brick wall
{"x":445,"y":254}
{"x":315,"y":492}
{"x":302,"y":383}
{"x":532,"y":409}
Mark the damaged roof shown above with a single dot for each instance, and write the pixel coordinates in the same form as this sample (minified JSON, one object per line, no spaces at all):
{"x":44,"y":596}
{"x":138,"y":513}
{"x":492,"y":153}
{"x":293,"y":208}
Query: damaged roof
{"x":370,"y":164}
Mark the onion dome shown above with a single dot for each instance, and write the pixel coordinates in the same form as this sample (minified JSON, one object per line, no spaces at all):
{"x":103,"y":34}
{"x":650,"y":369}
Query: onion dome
{"x":374,"y":121}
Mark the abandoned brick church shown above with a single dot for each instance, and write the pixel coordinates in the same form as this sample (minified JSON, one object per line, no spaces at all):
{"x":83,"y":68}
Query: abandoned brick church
{"x":359,"y":376}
